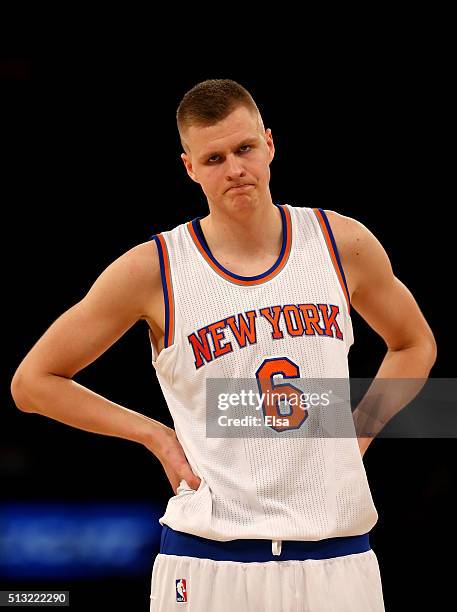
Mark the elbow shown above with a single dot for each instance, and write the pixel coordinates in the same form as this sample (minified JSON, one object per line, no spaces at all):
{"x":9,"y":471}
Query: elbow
{"x":428,"y":351}
{"x":430,"y":347}
{"x":19,"y":394}
{"x":423,"y":349}
{"x":433,"y":351}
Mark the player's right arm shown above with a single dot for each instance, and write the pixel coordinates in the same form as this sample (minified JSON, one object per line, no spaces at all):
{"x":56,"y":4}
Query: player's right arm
{"x":126,"y":291}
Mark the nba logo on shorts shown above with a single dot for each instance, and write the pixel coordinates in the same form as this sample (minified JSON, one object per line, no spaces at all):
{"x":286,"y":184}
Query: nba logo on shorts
{"x":181,"y":590}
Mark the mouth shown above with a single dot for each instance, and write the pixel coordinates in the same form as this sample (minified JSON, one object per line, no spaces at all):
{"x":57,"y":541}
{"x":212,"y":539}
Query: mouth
{"x":243,"y":187}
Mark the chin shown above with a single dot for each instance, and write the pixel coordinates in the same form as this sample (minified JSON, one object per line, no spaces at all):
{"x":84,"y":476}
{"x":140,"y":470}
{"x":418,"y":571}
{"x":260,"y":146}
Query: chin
{"x":244,"y":205}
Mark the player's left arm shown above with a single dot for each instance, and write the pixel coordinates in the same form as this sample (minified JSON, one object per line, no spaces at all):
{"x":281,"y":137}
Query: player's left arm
{"x":385,"y":303}
{"x":381,"y":299}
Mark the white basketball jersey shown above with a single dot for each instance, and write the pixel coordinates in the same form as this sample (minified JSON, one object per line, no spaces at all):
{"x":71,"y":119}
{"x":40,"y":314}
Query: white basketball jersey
{"x":293,"y":320}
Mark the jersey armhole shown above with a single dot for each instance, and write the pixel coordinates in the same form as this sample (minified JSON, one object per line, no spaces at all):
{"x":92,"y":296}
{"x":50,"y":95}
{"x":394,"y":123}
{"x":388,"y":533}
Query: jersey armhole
{"x":167,"y":287}
{"x":333,"y":251}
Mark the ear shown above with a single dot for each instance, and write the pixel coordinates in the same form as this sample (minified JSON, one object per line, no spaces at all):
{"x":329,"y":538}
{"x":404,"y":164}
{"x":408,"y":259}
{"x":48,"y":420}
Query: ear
{"x":188,"y":165}
{"x":270,"y":143}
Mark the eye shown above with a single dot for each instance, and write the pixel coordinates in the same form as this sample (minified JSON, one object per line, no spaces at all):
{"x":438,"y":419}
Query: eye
{"x":213,"y":158}
{"x":245,"y":148}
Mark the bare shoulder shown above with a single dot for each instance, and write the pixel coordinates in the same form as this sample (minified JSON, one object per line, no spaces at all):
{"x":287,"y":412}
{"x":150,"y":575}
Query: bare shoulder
{"x":348,"y":232}
{"x":138,"y":264}
{"x":359,"y":250}
{"x":128,"y":285}
{"x":377,"y":294}
{"x":143,"y":259}
{"x":141,"y":266}
{"x":125,"y":291}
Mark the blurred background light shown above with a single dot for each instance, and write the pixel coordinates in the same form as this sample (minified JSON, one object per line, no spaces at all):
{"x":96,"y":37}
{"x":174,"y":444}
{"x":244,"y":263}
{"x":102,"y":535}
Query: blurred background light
{"x":57,"y":540}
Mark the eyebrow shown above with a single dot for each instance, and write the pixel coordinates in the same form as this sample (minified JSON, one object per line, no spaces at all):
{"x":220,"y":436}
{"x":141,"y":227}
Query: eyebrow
{"x":240,"y":144}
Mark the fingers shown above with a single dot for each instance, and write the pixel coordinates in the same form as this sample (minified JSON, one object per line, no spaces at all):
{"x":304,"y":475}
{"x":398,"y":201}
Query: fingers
{"x":179,"y":469}
{"x":186,"y":474}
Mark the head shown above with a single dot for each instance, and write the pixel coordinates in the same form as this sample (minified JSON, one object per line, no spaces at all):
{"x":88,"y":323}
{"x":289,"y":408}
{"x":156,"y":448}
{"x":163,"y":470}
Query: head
{"x":225,"y":144}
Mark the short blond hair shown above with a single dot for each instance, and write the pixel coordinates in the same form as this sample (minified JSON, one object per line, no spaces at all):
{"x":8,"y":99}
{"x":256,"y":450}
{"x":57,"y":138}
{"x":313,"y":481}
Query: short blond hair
{"x":211,"y":101}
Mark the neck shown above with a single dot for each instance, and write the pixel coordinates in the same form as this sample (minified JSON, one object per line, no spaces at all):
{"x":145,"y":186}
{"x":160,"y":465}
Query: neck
{"x":256,"y":232}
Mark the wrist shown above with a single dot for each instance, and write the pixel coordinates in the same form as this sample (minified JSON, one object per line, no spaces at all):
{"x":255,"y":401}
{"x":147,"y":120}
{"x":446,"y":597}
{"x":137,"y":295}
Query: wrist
{"x":157,"y":437}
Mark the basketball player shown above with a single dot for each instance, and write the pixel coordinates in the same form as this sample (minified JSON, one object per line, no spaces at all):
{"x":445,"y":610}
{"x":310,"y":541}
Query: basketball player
{"x":252,"y":290}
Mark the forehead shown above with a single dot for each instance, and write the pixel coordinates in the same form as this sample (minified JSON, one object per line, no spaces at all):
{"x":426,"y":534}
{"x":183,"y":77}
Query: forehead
{"x":240,"y":125}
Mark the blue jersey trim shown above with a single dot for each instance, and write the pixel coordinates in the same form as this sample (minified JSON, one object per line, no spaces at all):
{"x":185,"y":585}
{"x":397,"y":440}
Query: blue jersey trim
{"x":329,"y":229}
{"x":165,"y":289}
{"x":204,"y":244}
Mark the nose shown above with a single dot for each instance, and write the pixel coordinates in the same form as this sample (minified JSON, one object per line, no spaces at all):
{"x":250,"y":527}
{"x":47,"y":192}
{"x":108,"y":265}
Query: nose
{"x":234,"y":168}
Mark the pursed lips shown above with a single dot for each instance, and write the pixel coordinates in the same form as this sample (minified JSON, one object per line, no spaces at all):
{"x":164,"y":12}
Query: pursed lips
{"x":240,"y":186}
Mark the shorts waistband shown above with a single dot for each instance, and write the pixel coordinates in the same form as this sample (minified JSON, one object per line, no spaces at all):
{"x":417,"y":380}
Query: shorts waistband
{"x":174,"y":542}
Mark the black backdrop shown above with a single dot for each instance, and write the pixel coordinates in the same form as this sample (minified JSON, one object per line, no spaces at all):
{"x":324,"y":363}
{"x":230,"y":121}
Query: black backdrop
{"x":92,"y":168}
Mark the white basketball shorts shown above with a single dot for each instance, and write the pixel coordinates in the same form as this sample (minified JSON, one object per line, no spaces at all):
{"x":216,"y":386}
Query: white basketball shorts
{"x":210,"y":580}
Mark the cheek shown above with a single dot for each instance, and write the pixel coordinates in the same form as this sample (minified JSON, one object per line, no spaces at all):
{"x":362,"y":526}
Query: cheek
{"x":214,"y":178}
{"x":209,"y":182}
{"x":263,"y":172}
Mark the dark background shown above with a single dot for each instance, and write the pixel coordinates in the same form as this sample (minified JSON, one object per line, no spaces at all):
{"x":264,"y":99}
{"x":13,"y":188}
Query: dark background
{"x":92,"y":168}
